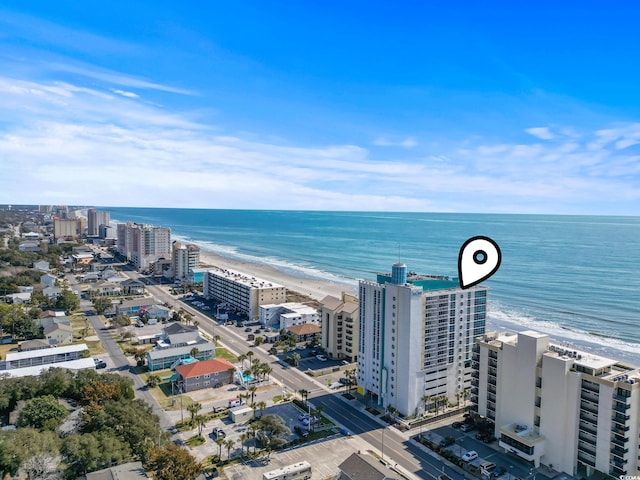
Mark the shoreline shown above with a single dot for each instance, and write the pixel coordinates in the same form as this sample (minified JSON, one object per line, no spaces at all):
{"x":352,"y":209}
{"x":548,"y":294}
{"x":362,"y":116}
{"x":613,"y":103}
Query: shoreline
{"x":315,"y":289}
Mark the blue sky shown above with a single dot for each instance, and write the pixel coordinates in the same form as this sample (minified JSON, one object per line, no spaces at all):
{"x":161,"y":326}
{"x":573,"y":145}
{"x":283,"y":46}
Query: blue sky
{"x":322,"y":105}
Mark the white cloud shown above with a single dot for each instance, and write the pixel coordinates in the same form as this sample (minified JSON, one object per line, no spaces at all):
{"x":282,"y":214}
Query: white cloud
{"x":71,"y":144}
{"x":404,"y":143}
{"x":543,"y":133}
{"x":125,"y":93}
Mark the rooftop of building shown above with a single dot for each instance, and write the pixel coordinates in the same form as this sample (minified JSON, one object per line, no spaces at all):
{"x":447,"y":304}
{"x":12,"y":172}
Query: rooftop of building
{"x":364,"y":467}
{"x":244,"y":279}
{"x":426,"y":282}
{"x":304,"y":329}
{"x":522,"y":432}
{"x":11,"y":357}
{"x":204,"y":367}
{"x":293,"y":307}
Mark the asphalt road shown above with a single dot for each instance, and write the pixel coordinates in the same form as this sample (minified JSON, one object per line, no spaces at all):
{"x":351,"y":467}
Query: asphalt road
{"x":397,"y":449}
{"x":121,"y":366}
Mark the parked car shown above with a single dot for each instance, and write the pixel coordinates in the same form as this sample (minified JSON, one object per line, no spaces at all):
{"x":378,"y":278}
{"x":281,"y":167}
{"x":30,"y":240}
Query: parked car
{"x":467,"y":427}
{"x":100,"y":363}
{"x":311,"y":421}
{"x":302,"y":416}
{"x":442,"y":476}
{"x":301,"y":347}
{"x":219,"y":433}
{"x":456,"y":424}
{"x":447,"y":441}
{"x":303,"y":432}
{"x":273,"y":351}
{"x":498,"y":472}
{"x":469,"y":456}
{"x":248,"y":329}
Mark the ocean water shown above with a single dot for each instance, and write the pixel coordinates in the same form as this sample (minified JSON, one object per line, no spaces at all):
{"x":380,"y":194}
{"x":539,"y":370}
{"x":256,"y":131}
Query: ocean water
{"x":576,"y":278}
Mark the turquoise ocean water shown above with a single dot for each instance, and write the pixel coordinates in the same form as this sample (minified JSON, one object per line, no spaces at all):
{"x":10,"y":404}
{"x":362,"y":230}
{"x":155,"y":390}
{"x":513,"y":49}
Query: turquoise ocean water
{"x":576,"y":278}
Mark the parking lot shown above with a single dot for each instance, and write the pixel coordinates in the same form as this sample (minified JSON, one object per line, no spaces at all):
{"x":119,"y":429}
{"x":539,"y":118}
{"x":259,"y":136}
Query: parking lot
{"x":508,"y":466}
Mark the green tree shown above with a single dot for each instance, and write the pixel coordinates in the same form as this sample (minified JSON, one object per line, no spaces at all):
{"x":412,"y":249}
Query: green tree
{"x":258,"y":341}
{"x":261,"y":406}
{"x":193,"y":409}
{"x":84,"y":453}
{"x":296,"y":358}
{"x":229,"y":443}
{"x":201,"y":422}
{"x":173,"y":463}
{"x":43,"y":413}
{"x":273,"y":431}
{"x":153,"y":380}
{"x":68,"y":301}
{"x":101,"y":304}
{"x":19,"y":446}
{"x":253,"y":389}
{"x":121,"y":321}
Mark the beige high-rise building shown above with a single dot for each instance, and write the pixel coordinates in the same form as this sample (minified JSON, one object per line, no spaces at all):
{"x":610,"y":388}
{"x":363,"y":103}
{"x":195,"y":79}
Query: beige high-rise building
{"x":143,"y":244}
{"x":67,"y":228}
{"x":339,"y":323}
{"x":95,"y":218}
{"x":558,"y":406}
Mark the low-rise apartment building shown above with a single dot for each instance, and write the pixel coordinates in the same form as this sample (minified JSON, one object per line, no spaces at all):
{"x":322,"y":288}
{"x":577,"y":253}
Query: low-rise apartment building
{"x":286,"y":315}
{"x":558,"y":406}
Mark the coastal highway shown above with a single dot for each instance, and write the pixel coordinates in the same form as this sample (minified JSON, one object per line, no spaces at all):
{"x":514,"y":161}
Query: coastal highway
{"x":397,"y":449}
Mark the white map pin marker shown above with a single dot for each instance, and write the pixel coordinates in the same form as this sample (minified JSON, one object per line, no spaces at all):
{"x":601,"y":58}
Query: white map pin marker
{"x":479,"y":258}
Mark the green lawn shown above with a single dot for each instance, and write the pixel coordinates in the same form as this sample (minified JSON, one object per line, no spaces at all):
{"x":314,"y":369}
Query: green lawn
{"x":222,"y":352}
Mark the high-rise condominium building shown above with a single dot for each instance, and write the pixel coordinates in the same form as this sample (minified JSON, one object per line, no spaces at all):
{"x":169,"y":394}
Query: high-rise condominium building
{"x":143,"y":244}
{"x":67,"y":228}
{"x":95,"y":218}
{"x":242,"y":292}
{"x":558,"y":406}
{"x":183,"y":259}
{"x":416,"y":334}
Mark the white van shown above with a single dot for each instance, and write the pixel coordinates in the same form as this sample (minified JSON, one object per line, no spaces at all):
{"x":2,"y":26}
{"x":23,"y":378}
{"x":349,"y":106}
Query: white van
{"x":486,"y":468}
{"x":235,"y":402}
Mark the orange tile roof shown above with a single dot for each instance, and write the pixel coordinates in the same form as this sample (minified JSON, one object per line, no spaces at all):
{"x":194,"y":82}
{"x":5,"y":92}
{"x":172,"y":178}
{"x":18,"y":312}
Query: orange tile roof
{"x":304,"y":328}
{"x":204,"y":367}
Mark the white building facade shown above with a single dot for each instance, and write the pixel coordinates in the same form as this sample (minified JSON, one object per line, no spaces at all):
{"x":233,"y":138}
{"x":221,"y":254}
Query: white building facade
{"x":416,"y":335}
{"x":573,"y":411}
{"x":286,"y":315}
{"x":142,"y":244}
{"x":242,"y":292}
{"x":183,"y":259}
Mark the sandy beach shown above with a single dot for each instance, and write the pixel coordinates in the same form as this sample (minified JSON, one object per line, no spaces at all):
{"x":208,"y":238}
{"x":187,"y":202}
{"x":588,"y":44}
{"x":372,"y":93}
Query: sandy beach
{"x":314,"y":288}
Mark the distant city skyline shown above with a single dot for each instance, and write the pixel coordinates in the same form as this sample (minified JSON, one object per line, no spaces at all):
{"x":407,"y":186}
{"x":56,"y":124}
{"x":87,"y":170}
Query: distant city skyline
{"x":360,"y":106}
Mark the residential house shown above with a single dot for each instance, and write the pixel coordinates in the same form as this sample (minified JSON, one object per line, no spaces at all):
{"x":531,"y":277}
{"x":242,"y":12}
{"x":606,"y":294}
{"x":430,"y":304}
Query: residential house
{"x":179,"y":343}
{"x":48,"y":280}
{"x":29,"y":246}
{"x":51,"y":292}
{"x":47,"y":321}
{"x":160,"y":312}
{"x":360,"y":466}
{"x":132,"y":287}
{"x":58,"y":333}
{"x":126,"y":471}
{"x":205,"y":374}
{"x":19,"y":298}
{"x":132,"y":307}
{"x":305,"y":332}
{"x":104,"y":289}
{"x":41,"y":265}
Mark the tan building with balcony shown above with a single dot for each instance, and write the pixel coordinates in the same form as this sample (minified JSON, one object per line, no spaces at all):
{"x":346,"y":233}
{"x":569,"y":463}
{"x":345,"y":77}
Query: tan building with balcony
{"x":339,"y":325}
{"x":558,"y":406}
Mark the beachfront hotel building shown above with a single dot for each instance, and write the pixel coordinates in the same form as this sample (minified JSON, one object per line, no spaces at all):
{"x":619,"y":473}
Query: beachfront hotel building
{"x":183,"y":259}
{"x":67,"y":228}
{"x":96,"y":218}
{"x":241,"y":291}
{"x":416,"y":335}
{"x":340,"y":327}
{"x":143,"y":245}
{"x":570,"y":410}
{"x":285,"y":315}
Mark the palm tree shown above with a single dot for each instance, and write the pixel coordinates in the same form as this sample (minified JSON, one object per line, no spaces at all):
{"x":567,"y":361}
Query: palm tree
{"x":242,"y":358}
{"x":266,"y":370}
{"x":244,"y":437}
{"x":201,"y":421}
{"x":219,"y":441}
{"x":258,"y":341}
{"x":216,"y":339}
{"x":193,"y":409}
{"x":194,"y":352}
{"x":196,"y":323}
{"x":304,"y":394}
{"x":250,"y":354}
{"x":253,"y":390}
{"x":188,"y":318}
{"x":427,"y":400}
{"x":296,"y":358}
{"x":262,"y":405}
{"x":229,"y":443}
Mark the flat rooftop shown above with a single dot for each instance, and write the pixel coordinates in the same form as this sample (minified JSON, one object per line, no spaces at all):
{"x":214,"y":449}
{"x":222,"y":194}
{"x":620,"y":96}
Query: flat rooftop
{"x":243,"y":278}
